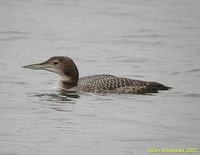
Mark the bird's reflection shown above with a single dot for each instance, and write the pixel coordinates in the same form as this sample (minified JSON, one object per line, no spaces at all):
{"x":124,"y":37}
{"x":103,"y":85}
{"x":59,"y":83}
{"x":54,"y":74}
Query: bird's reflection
{"x":69,"y":95}
{"x":59,"y":95}
{"x":57,"y":100}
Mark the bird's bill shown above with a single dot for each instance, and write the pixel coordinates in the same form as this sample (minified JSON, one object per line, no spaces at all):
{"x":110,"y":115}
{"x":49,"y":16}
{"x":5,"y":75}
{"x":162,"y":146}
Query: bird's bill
{"x":38,"y":66}
{"x":43,"y":66}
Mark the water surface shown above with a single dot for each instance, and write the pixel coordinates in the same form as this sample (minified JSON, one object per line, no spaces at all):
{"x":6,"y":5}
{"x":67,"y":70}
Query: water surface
{"x":148,"y":40}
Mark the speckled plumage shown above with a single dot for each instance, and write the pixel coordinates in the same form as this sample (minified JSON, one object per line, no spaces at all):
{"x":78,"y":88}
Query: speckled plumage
{"x":113,"y":84}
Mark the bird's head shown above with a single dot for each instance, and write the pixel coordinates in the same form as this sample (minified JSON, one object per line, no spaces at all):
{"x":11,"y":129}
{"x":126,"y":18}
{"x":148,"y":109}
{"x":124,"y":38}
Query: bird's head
{"x":62,"y":65}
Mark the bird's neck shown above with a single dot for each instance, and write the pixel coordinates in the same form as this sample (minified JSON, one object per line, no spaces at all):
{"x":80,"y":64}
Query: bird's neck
{"x":67,"y":86}
{"x":69,"y":79}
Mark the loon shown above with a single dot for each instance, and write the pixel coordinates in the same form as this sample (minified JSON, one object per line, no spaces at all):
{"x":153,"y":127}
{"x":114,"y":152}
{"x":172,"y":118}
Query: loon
{"x":104,"y":83}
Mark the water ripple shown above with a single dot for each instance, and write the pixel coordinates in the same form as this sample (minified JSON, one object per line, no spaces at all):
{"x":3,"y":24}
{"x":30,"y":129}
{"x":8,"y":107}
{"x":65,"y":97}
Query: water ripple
{"x":191,"y":95}
{"x":193,"y":70}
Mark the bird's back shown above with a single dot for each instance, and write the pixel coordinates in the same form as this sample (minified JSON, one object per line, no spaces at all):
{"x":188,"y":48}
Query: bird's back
{"x":113,"y":84}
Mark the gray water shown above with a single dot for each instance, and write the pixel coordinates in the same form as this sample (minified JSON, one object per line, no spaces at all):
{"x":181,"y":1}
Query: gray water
{"x":157,"y":40}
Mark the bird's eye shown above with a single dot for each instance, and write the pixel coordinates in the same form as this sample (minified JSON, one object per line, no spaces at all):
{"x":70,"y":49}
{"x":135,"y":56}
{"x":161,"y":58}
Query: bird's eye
{"x":55,"y":63}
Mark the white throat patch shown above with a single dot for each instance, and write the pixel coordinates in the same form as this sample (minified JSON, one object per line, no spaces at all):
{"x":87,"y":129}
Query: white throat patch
{"x":65,"y":78}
